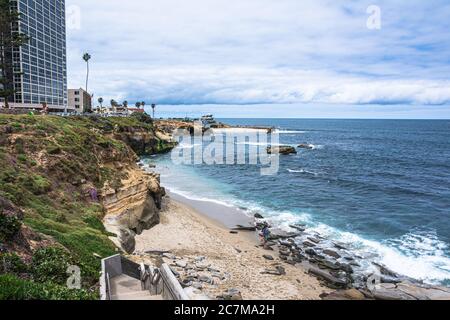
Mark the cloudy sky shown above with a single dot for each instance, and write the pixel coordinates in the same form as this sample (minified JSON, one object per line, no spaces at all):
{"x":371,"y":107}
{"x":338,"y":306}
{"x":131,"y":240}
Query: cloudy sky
{"x":299,"y":52}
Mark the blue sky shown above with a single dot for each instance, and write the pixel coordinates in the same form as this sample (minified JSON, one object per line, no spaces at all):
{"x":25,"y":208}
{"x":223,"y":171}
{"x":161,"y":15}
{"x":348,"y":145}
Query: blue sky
{"x":315,"y":54}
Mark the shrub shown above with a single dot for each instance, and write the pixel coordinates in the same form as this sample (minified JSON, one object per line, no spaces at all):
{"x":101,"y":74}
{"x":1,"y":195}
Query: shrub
{"x":11,"y":263}
{"x":50,"y":265}
{"x":22,"y":158}
{"x":9,"y":227}
{"x":94,"y":223}
{"x":14,"y":288}
{"x":143,"y":117}
{"x":36,"y":184}
{"x":54,"y":150}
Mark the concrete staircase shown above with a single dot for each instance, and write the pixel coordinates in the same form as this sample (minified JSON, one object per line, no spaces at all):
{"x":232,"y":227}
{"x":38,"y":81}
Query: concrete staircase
{"x":124,"y":287}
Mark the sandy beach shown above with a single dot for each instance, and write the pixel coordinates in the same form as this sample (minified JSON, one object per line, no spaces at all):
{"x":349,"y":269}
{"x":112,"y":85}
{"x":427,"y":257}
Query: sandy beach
{"x":192,"y":236}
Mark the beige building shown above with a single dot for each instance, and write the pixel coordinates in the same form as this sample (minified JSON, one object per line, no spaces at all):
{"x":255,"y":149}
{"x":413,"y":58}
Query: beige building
{"x":80,"y":100}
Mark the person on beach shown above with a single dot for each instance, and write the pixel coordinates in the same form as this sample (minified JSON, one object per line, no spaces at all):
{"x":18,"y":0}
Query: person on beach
{"x":265,"y":234}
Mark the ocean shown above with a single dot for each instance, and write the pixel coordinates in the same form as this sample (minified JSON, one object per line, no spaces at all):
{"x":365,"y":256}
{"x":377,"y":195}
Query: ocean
{"x":382,"y":187}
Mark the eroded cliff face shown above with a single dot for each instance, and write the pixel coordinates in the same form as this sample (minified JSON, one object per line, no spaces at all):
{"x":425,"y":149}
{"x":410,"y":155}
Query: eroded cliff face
{"x":132,"y":208}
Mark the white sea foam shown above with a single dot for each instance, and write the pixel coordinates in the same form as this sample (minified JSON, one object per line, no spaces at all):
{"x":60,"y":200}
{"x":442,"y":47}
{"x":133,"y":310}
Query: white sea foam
{"x":303,"y":171}
{"x":263,"y":144}
{"x":422,"y":257}
{"x":419,"y":255}
{"x":238,"y":130}
{"x":289,"y":132}
{"x":188,"y":146}
{"x":191,"y":196}
{"x":416,"y":257}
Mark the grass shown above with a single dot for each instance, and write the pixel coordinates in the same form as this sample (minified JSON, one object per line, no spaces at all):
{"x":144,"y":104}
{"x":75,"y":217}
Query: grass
{"x":15,"y":288}
{"x":44,"y":159}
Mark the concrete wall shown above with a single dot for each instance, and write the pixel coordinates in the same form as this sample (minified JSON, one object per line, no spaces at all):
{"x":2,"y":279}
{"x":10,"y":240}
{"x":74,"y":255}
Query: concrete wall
{"x":79,"y":99}
{"x":29,"y":106}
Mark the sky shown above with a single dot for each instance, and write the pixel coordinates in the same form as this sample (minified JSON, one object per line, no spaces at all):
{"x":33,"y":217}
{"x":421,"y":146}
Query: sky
{"x":325,"y":57}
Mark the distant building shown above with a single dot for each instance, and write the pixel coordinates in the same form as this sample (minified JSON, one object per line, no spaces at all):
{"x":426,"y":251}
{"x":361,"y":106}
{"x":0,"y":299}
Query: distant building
{"x":208,"y":121}
{"x":135,"y":110}
{"x":113,"y":111}
{"x":39,"y":72}
{"x":79,"y":100}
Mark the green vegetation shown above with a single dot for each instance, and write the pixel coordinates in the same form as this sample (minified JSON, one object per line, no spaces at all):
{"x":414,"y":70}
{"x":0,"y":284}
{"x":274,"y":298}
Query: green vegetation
{"x":15,"y":288}
{"x":50,"y":265}
{"x":48,"y":166}
{"x":11,"y":263}
{"x":9,"y":227}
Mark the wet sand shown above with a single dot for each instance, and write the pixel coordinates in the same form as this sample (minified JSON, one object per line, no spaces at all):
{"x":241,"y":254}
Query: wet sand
{"x":191,"y":229}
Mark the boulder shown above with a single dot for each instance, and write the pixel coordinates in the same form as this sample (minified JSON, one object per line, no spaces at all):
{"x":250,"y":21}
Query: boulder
{"x":197,"y":285}
{"x":284,"y":150}
{"x":346,"y":267}
{"x":423,"y":292}
{"x":387,"y":291}
{"x":206,"y":279}
{"x":311,"y":252}
{"x":340,"y":246}
{"x":232,"y":295}
{"x":328,"y":278}
{"x":278,"y":271}
{"x":314,"y":240}
{"x":300,"y":228}
{"x":201,"y":265}
{"x":329,"y":265}
{"x":385,"y":271}
{"x":350,"y":294}
{"x":306,"y":146}
{"x":268,"y":257}
{"x":309,"y":244}
{"x":258,"y":216}
{"x":185,"y":283}
{"x":218,"y":275}
{"x":126,"y":238}
{"x":331,"y":253}
{"x":276,"y":234}
{"x":181,"y":264}
{"x":244,"y":228}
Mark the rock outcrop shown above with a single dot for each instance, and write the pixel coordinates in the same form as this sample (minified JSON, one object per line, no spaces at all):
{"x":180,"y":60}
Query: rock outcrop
{"x":145,"y":142}
{"x":285,"y":150}
{"x":306,"y":146}
{"x":132,"y":208}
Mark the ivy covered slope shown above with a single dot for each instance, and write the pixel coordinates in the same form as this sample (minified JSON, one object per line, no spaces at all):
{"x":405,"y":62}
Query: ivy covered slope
{"x":49,"y":216}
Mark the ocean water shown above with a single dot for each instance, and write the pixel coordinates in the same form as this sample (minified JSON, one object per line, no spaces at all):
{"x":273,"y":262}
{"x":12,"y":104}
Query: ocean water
{"x":380,"y":186}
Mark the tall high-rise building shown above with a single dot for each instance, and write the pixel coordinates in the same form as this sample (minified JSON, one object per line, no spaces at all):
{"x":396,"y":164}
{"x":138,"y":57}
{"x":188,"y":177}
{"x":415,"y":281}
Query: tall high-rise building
{"x":40,"y":75}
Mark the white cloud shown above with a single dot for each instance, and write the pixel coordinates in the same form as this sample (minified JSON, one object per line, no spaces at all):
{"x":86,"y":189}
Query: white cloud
{"x":263,"y":51}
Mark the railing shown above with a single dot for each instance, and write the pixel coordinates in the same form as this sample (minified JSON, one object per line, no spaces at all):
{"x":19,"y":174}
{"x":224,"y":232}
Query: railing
{"x":158,"y":281}
{"x":171,"y":288}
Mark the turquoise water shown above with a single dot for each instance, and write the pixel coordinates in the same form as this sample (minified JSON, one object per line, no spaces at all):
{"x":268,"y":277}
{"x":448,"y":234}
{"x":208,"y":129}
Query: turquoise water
{"x":381,"y":186}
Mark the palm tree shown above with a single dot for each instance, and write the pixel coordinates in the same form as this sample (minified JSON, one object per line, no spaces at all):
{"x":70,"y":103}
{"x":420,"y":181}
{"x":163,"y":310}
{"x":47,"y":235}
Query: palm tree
{"x":153,"y":108}
{"x":87,"y":57}
{"x":143,"y":104}
{"x":100,"y":100}
{"x":138,"y":105}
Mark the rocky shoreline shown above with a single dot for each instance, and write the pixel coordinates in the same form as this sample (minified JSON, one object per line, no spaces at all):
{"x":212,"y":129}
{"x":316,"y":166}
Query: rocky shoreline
{"x":340,"y":269}
{"x":212,"y":263}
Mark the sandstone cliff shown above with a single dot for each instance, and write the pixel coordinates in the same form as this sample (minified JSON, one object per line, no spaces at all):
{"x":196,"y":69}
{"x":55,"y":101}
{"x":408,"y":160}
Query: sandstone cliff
{"x":133,"y":207}
{"x":59,"y":179}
